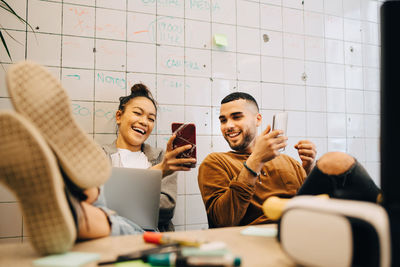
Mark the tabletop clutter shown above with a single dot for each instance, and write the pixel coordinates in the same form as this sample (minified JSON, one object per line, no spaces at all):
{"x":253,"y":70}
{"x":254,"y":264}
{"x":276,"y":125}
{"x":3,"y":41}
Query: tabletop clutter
{"x":179,"y":252}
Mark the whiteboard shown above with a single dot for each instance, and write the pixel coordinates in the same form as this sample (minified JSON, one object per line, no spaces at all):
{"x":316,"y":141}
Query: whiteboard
{"x":318,"y":61}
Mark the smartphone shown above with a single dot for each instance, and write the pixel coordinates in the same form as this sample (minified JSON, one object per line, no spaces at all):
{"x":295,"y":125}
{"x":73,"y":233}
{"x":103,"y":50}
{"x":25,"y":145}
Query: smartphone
{"x":185,"y":135}
{"x":279,"y":122}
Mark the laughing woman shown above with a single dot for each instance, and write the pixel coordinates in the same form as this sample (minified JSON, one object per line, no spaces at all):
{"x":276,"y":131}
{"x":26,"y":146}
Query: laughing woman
{"x":135,"y":117}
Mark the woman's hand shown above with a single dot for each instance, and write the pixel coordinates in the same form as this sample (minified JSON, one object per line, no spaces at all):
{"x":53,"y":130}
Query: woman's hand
{"x":170,"y":162}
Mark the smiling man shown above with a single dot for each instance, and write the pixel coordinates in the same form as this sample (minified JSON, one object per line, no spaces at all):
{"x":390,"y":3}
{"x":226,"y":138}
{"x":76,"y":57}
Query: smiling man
{"x":235,"y":184}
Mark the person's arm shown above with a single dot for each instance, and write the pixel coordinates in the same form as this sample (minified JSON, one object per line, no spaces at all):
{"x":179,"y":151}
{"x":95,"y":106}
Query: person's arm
{"x":168,"y":198}
{"x":168,"y":186}
{"x":226,"y":200}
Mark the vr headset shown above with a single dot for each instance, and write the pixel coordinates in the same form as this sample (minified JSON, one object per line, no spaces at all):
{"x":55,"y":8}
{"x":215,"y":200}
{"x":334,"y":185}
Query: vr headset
{"x":331,"y":232}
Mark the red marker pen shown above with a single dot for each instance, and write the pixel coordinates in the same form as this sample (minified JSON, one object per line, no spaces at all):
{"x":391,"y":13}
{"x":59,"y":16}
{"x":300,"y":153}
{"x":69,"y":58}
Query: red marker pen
{"x":159,"y":238}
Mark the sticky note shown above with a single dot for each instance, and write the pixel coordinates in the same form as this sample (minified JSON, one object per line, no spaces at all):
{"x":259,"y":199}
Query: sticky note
{"x":137,"y":263}
{"x":257,"y":231}
{"x":220,"y":39}
{"x":69,"y":259}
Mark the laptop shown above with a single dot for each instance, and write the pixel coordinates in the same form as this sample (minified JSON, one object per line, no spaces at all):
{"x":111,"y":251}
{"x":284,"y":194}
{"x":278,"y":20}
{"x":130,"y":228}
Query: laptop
{"x":135,"y":195}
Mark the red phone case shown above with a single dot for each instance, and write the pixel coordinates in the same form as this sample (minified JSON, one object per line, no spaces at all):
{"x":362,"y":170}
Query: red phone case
{"x":185,"y":134}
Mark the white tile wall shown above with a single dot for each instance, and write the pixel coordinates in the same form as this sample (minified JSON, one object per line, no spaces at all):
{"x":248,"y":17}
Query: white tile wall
{"x":293,"y":21}
{"x":271,"y":17}
{"x":295,"y":97}
{"x":352,"y":9}
{"x":197,"y":34}
{"x":248,"y":40}
{"x":44,"y":48}
{"x":40,"y":23}
{"x":273,"y":96}
{"x":271,"y":69}
{"x":333,"y":7}
{"x":141,"y":27}
{"x":139,"y":57}
{"x":314,"y":48}
{"x":117,"y":4}
{"x":318,"y":60}
{"x":224,"y":65}
{"x":248,"y":13}
{"x":77,"y":52}
{"x":337,"y":144}
{"x":354,"y":77}
{"x":293,"y":46}
{"x":110,"y":55}
{"x":336,"y":100}
{"x":334,"y":52}
{"x":333,"y":27}
{"x":293,"y":71}
{"x":78,"y":20}
{"x":199,"y":9}
{"x":273,"y":45}
{"x":175,"y":8}
{"x":314,"y":5}
{"x":83,"y":113}
{"x":112,"y":25}
{"x":335,"y":75}
{"x":316,"y":99}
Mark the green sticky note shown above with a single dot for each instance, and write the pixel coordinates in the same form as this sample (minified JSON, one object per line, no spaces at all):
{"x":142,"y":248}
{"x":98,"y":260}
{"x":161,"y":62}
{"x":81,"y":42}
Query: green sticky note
{"x":259,"y":231}
{"x":137,"y":263}
{"x":69,"y":259}
{"x":220,"y":39}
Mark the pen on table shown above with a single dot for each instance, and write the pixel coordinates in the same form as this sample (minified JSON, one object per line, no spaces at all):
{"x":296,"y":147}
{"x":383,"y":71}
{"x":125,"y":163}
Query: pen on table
{"x":176,"y":259}
{"x":159,"y":238}
{"x":143,"y":254}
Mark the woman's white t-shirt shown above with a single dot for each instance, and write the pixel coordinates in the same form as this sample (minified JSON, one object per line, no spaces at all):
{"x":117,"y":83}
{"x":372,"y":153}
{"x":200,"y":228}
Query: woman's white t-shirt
{"x":128,"y":159}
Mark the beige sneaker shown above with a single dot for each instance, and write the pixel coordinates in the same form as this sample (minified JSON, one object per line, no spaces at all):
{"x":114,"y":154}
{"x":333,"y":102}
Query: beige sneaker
{"x":40,"y":98}
{"x":29,"y":168}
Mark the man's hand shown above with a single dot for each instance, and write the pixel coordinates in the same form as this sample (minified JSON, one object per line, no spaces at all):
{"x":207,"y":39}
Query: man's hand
{"x":266,"y":148}
{"x":307,"y":153}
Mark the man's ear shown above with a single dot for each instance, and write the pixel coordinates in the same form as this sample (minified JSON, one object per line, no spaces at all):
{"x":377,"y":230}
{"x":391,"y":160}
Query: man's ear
{"x":118,"y":115}
{"x":259,"y":119}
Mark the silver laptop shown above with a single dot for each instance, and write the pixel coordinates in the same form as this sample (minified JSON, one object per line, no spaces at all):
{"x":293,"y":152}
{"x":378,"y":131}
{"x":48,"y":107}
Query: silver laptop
{"x":135,"y":194}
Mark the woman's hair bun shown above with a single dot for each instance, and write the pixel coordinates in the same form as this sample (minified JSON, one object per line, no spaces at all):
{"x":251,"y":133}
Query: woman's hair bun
{"x":140,"y":89}
{"x":137,"y":90}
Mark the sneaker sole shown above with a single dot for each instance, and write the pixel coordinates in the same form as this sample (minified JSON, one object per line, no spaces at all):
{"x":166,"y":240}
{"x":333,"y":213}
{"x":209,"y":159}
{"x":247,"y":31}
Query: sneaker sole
{"x":40,"y":97}
{"x":29,"y":168}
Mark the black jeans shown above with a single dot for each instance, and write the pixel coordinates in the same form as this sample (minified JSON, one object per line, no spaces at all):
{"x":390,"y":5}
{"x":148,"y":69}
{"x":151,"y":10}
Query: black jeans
{"x":354,"y":184}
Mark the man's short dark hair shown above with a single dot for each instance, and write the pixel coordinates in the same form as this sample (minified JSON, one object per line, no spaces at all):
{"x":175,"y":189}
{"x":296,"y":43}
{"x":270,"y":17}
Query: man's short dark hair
{"x":239,"y":95}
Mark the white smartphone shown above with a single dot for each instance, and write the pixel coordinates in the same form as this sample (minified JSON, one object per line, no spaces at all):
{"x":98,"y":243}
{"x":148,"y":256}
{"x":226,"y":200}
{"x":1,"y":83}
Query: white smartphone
{"x":279,"y":122}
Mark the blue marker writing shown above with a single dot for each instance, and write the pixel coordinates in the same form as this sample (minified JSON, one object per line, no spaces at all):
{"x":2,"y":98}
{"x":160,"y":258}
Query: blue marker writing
{"x":74,"y":76}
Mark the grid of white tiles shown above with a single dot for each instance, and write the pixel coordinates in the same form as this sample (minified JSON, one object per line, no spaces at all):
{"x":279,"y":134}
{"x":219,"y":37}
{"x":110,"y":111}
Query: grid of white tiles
{"x":318,"y":60}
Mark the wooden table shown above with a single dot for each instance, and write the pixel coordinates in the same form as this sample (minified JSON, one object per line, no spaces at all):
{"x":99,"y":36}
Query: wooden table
{"x":253,"y":250}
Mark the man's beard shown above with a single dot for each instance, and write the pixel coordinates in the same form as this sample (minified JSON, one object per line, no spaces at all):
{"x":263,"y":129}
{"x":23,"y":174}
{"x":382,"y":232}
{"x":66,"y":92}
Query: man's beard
{"x":241,"y":147}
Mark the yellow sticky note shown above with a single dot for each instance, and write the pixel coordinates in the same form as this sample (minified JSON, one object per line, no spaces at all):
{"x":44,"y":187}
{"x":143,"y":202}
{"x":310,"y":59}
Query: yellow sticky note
{"x":220,"y":39}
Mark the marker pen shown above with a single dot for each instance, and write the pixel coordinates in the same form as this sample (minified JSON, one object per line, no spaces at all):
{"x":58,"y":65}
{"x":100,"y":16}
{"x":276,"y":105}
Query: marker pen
{"x":159,"y":238}
{"x":174,"y":259}
{"x":143,"y":254}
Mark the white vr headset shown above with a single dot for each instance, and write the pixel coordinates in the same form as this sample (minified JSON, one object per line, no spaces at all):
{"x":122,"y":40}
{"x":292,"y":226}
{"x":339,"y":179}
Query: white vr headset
{"x":331,"y":232}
